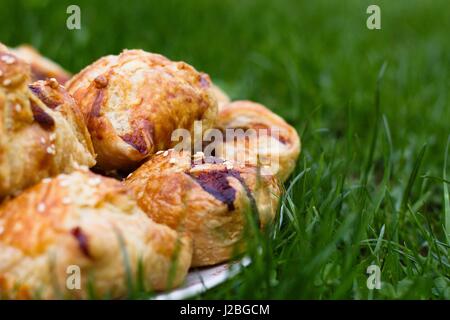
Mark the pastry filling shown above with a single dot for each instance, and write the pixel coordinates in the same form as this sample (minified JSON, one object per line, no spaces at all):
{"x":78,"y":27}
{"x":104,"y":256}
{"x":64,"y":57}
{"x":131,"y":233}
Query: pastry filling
{"x":215,"y":182}
{"x":41,"y":117}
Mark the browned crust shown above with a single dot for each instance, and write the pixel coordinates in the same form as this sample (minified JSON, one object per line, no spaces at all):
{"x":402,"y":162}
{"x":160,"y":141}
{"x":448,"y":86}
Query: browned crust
{"x":134,"y":101}
{"x":55,"y":96}
{"x":42,"y":68}
{"x":89,"y":221}
{"x":42,"y":131}
{"x":208,"y":201}
{"x":13,"y":71}
{"x":250,"y":115}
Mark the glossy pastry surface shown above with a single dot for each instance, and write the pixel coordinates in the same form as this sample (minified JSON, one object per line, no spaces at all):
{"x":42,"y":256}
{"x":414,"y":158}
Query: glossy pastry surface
{"x":90,"y":225}
{"x":42,"y":132}
{"x":222,"y":98}
{"x":134,"y":101}
{"x":42,"y":68}
{"x":209,"y":201}
{"x":253,"y":134}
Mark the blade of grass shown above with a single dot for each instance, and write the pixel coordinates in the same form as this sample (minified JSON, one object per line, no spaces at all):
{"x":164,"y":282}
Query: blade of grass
{"x":412,"y":177}
{"x":446,"y":196}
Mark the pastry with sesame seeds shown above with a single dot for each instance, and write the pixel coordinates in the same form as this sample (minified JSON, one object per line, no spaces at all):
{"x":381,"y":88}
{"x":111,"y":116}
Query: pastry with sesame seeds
{"x":42,"y":68}
{"x":96,"y":227}
{"x":210,"y":200}
{"x":133,"y":102}
{"x":255,"y":135}
{"x":42,"y":132}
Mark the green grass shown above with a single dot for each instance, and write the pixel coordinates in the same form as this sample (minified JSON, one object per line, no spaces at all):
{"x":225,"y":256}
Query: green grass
{"x":371,"y":185}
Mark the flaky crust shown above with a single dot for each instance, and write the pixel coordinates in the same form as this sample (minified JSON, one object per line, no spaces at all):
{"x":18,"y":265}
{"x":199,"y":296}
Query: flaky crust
{"x":208,"y":201}
{"x":134,"y":101}
{"x":41,"y":67}
{"x":91,"y":222}
{"x":42,"y":132}
{"x":221,"y":97}
{"x":275,"y":146}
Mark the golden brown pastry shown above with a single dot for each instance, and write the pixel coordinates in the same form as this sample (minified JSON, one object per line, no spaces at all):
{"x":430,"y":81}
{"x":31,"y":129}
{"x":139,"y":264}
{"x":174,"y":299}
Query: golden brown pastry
{"x":41,"y":67}
{"x":265,"y":139}
{"x":83,"y":220}
{"x":221,"y":97}
{"x":208,"y":201}
{"x":134,"y":101}
{"x":42,"y":132}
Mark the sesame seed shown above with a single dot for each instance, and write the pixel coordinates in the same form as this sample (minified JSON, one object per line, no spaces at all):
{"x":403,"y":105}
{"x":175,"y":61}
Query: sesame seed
{"x":51,"y":149}
{"x":53,"y":83}
{"x":41,"y":207}
{"x":199,"y":156}
{"x":6,"y":82}
{"x":94,"y":181}
{"x":66,"y":200}
{"x":172,"y":160}
{"x":64,"y":183}
{"x":76,"y":165}
{"x":42,"y":140}
{"x":228,"y":165}
{"x":18,"y":107}
{"x":159,"y":152}
{"x":52,"y":137}
{"x":8,"y":59}
{"x":46,"y":180}
{"x":140,"y":194}
{"x":165,"y":153}
{"x":130,"y":175}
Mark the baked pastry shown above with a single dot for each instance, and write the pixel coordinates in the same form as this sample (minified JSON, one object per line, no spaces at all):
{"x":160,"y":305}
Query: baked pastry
{"x":133,"y":102}
{"x":208,"y":199}
{"x":42,"y":132}
{"x":41,"y":67}
{"x":221,"y":97}
{"x":87,"y":222}
{"x":265,"y":139}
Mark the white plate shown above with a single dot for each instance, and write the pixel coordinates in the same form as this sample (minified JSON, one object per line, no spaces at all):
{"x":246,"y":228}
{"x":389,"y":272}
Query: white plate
{"x":200,"y":280}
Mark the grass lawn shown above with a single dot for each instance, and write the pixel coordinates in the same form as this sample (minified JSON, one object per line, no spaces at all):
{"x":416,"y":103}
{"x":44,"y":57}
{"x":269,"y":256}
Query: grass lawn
{"x":372,"y":108}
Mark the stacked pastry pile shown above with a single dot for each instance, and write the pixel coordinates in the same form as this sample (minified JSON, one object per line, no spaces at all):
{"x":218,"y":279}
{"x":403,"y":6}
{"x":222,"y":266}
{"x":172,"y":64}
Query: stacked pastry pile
{"x":175,"y":210}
